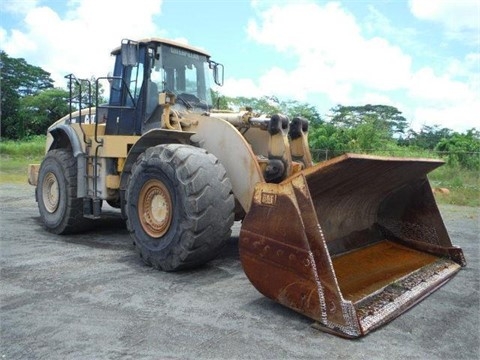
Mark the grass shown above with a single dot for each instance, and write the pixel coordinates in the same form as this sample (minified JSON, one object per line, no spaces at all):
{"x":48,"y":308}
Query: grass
{"x":15,"y":157}
{"x":463,"y":185}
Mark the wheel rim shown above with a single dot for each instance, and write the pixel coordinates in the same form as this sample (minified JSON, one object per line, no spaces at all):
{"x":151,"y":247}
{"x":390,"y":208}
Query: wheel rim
{"x":50,"y":192}
{"x":155,"y":208}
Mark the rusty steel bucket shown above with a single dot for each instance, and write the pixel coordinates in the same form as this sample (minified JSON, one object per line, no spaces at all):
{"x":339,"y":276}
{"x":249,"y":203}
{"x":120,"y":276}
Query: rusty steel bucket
{"x":351,"y":243}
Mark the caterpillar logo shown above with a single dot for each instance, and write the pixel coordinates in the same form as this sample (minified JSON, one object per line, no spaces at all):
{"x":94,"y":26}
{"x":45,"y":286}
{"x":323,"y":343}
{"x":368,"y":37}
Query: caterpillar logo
{"x":268,"y":199}
{"x":87,"y":119}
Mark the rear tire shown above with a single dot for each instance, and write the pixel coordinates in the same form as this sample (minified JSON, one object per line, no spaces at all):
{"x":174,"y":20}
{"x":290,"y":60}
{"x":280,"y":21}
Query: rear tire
{"x":60,"y":209}
{"x":179,"y":206}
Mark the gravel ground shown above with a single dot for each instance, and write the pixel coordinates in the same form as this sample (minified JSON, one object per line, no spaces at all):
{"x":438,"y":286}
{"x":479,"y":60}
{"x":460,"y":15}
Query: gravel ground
{"x":89,"y":296}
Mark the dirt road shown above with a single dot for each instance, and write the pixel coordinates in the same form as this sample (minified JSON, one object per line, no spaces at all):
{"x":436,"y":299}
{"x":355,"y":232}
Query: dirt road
{"x":89,"y":296}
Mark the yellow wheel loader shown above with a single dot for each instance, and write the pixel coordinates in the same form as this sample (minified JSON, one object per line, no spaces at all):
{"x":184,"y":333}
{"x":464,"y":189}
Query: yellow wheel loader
{"x":351,"y":242}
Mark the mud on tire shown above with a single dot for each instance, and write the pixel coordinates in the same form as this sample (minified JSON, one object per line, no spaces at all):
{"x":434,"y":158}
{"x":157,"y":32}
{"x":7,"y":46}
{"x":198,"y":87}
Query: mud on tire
{"x":179,"y":206}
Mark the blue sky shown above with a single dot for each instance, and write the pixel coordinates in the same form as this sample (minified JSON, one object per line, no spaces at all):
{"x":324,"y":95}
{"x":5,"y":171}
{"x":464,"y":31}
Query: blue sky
{"x":422,"y":56}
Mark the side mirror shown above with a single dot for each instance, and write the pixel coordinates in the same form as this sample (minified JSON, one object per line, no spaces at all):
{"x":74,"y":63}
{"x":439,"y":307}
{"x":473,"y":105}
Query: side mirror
{"x":218,"y":73}
{"x":129,"y":51}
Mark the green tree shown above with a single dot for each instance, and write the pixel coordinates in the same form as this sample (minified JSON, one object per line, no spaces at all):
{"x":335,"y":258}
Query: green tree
{"x":328,"y":140}
{"x":427,"y":138}
{"x":294,"y":108}
{"x":219,"y":102}
{"x":86,"y":90}
{"x":383,"y":117}
{"x":270,"y":105}
{"x":23,"y":78}
{"x":462,"y":149}
{"x":9,"y":112}
{"x":267,"y":105}
{"x":359,"y":129}
{"x":18,"y":80}
{"x":38,"y":112}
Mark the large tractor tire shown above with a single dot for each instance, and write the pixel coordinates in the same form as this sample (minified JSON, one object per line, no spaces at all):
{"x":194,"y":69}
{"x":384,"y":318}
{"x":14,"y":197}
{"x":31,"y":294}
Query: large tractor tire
{"x":179,"y":206}
{"x":60,"y":209}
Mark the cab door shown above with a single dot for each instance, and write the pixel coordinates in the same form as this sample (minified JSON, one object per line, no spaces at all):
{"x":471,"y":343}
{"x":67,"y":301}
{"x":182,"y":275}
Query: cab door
{"x":126,"y":103}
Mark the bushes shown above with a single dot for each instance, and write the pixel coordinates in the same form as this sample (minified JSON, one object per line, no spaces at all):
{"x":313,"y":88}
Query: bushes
{"x":462,"y":150}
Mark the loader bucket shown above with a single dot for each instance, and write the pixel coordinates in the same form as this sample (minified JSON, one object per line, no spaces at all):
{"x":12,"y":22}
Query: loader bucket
{"x":351,"y":243}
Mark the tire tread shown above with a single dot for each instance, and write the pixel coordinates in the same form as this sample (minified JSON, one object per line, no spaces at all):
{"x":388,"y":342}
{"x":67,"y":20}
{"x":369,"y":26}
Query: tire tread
{"x":209,"y":206}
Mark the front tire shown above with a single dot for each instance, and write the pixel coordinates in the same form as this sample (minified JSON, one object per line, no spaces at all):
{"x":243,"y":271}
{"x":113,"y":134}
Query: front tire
{"x":179,"y":206}
{"x":60,"y":209}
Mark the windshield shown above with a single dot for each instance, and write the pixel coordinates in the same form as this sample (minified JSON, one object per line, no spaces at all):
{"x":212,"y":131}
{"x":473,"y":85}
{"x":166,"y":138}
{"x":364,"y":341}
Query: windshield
{"x":184,"y":73}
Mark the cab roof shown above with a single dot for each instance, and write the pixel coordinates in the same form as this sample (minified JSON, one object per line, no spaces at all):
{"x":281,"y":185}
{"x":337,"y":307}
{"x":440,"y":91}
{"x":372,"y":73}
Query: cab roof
{"x":166,"y":42}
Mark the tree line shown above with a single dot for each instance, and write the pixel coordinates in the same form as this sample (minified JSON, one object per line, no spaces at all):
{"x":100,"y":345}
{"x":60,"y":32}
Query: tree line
{"x":368,"y":129}
{"x":30,"y":103}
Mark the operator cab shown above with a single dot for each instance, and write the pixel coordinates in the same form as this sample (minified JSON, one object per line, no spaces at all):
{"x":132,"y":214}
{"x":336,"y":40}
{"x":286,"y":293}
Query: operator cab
{"x":146,"y":68}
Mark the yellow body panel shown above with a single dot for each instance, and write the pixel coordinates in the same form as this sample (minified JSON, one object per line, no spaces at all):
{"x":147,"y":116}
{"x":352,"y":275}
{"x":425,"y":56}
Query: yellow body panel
{"x":116,"y":146}
{"x":112,"y":146}
{"x":113,"y":181}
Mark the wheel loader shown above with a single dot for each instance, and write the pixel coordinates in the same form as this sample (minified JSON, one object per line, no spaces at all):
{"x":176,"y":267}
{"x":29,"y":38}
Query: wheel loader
{"x":351,"y":242}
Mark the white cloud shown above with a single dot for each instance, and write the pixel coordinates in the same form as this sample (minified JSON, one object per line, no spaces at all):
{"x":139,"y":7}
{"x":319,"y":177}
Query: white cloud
{"x":454,"y":14}
{"x":444,"y":100}
{"x":332,"y":54}
{"x":460,"y":117}
{"x":334,"y":59}
{"x":435,"y":89}
{"x":466,"y":69}
{"x":79,"y":41}
{"x":376,"y":98}
{"x":18,"y":40}
{"x":461,"y":18}
{"x":240,"y":87}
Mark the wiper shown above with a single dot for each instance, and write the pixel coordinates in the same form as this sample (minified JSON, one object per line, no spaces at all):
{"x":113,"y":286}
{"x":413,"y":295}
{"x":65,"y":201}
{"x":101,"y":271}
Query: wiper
{"x":185,"y":101}
{"x":179,"y":97}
